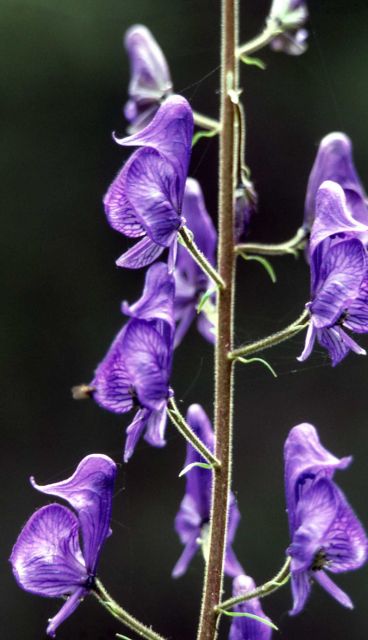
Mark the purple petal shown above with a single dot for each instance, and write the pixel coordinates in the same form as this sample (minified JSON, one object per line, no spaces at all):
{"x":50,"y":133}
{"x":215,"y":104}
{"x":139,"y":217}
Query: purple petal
{"x":150,"y":77}
{"x":170,"y":132}
{"x":134,"y":432}
{"x":305,"y":457}
{"x":325,"y":581}
{"x":66,"y":610}
{"x":206,"y":328}
{"x":156,"y":426}
{"x":332,"y":215}
{"x":89,"y":492}
{"x":334,"y":161}
{"x":340,"y":279}
{"x":198,"y":480}
{"x":185,"y":318}
{"x":338,"y":344}
{"x":246,"y":628}
{"x":294,"y":43}
{"x":300,"y":588}
{"x":147,"y":357}
{"x":154,"y":193}
{"x":157,"y":300}
{"x":112,"y":383}
{"x":232,"y":565}
{"x":357,"y":318}
{"x":119,"y":212}
{"x":140,"y":255}
{"x":310,"y":339}
{"x":46,"y":557}
{"x":189,"y":551}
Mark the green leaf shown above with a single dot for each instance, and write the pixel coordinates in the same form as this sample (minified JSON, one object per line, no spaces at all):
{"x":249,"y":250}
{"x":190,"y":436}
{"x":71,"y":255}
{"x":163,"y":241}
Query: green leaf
{"x":255,"y":62}
{"x":202,"y":465}
{"x":204,"y":298}
{"x":204,"y":134}
{"x":238,"y":614}
{"x":261,"y":360}
{"x":118,"y":635}
{"x":264,"y":262}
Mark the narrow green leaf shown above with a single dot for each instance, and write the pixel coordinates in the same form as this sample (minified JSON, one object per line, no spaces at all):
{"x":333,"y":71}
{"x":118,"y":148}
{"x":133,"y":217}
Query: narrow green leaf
{"x":255,"y":62}
{"x":204,"y":134}
{"x":238,"y":614}
{"x":204,"y":298}
{"x":203,"y":465}
{"x":118,"y":635}
{"x":264,"y":262}
{"x":261,"y":360}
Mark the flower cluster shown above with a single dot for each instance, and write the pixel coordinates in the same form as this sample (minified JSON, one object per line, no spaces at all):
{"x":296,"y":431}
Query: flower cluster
{"x":337,"y":215}
{"x":290,"y":16}
{"x":325,"y":532}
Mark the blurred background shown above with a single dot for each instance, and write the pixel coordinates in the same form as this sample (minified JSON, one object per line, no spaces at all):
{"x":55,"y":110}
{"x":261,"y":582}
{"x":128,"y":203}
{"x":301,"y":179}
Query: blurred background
{"x":64,"y":78}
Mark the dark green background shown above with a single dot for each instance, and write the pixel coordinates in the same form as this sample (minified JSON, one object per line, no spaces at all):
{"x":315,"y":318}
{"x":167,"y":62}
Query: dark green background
{"x":63,"y":82}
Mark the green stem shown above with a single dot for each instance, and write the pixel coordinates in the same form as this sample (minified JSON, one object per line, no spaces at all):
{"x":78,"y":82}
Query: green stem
{"x":123,"y":616}
{"x":265,"y":589}
{"x":290,"y":246}
{"x":197,"y":255}
{"x":271,"y":30}
{"x":206,"y":123}
{"x":181,"y":424}
{"x":276,"y":338}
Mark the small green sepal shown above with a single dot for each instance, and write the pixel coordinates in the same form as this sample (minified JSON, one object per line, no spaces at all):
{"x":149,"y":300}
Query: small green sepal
{"x":238,"y":614}
{"x":265,"y":264}
{"x":255,"y":62}
{"x":202,"y":465}
{"x":204,"y":134}
{"x":261,"y":360}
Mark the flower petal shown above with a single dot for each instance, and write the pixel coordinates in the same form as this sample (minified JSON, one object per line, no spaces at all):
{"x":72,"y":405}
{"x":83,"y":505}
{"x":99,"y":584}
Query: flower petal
{"x":112,"y":383}
{"x":189,"y":551}
{"x":148,"y":362}
{"x":120,"y":213}
{"x":66,"y":610}
{"x":157,"y":300}
{"x":246,"y":628}
{"x":325,"y":581}
{"x":89,"y":492}
{"x":46,"y":557}
{"x":134,"y":432}
{"x":338,"y":344}
{"x":156,"y":426}
{"x":300,"y":588}
{"x":140,"y":255}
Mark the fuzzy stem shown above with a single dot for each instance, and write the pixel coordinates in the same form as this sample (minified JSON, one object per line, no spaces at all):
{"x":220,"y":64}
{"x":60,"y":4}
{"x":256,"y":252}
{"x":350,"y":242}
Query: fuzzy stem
{"x":123,"y":616}
{"x":259,"y":592}
{"x":229,"y":143}
{"x":275,"y":338}
{"x":197,"y":255}
{"x":292,"y":246}
{"x":271,"y":30}
{"x":204,"y":122}
{"x":181,"y":424}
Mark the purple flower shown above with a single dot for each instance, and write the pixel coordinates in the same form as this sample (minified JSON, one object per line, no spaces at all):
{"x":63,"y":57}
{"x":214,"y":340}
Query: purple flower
{"x":325,"y":532}
{"x":47,"y":558}
{"x":246,"y":628}
{"x":334,"y":161}
{"x":192,"y":519}
{"x":146,"y":197}
{"x":191,"y":283}
{"x":150,"y":80}
{"x":246,"y":200}
{"x":290,"y":16}
{"x":339,"y":276}
{"x":136,"y":370}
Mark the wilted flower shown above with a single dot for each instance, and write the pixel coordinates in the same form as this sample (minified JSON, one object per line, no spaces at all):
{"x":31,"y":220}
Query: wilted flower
{"x":334,"y":161}
{"x":136,"y":370}
{"x":191,"y":282}
{"x":47,"y":558}
{"x":325,"y":532}
{"x":339,"y":276}
{"x":243,"y":628}
{"x":145,"y":199}
{"x":290,"y":16}
{"x":192,"y":519}
{"x":150,"y":80}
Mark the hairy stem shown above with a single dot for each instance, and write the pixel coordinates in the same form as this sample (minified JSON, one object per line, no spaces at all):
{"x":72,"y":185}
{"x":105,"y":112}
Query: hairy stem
{"x":213,"y":582}
{"x":197,"y":255}
{"x":183,"y":427}
{"x":271,"y":30}
{"x":292,"y":246}
{"x":275,"y":338}
{"x":265,"y":589}
{"x":123,"y":616}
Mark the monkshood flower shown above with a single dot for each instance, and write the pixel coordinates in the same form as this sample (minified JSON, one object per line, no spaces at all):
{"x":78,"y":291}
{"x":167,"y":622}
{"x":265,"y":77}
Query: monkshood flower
{"x":145,"y":200}
{"x":136,"y":370}
{"x":334,"y":161}
{"x":192,"y":519}
{"x":339,"y":277}
{"x":325,"y":532}
{"x":57,"y":551}
{"x":191,"y":283}
{"x":290,"y":15}
{"x":248,"y":628}
{"x":150,"y":80}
